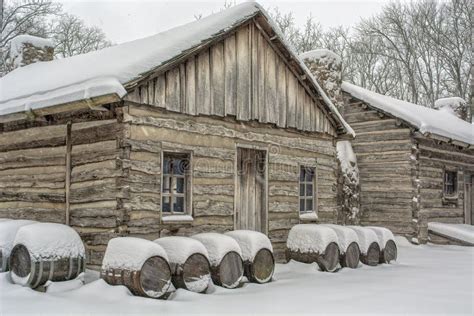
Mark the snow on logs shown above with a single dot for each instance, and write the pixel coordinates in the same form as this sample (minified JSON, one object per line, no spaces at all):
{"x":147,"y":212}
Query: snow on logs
{"x":348,"y":243}
{"x":189,"y":262}
{"x":387,"y":244}
{"x":225,"y":258}
{"x":310,"y":243}
{"x":368,"y":244}
{"x":139,"y":264}
{"x":257,"y":253}
{"x":46,"y":252}
{"x":8,"y":230}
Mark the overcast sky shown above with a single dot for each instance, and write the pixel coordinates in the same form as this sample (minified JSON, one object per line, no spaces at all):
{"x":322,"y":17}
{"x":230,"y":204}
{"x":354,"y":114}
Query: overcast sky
{"x":125,"y":20}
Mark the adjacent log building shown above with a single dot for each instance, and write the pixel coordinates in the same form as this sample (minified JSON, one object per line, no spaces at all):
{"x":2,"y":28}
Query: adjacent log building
{"x":211,"y":126}
{"x":416,"y":164}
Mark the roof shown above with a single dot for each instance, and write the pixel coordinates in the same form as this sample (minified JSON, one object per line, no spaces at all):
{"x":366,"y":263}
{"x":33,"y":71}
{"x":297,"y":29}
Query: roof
{"x":47,"y":84}
{"x":427,"y":121}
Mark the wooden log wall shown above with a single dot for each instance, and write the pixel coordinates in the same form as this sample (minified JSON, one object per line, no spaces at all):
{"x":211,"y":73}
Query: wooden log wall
{"x":65,"y":164}
{"x":434,"y":157}
{"x":242,"y":76}
{"x":212,"y":143}
{"x":387,"y":168}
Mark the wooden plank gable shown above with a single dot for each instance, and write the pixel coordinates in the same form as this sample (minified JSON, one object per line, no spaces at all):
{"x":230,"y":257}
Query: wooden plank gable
{"x":241,"y":75}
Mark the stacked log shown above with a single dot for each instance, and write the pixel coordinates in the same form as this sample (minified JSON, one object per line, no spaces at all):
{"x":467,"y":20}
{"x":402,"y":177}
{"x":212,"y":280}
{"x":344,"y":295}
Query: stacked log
{"x":46,"y":252}
{"x":387,"y":244}
{"x":139,"y":264}
{"x":310,"y":243}
{"x":189,"y":262}
{"x":348,"y":243}
{"x":257,"y":253}
{"x":369,"y":245}
{"x":225,"y":257}
{"x":8,"y":230}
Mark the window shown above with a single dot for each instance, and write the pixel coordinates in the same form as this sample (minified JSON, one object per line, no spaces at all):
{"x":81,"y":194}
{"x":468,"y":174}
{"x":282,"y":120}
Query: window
{"x":307,"y":203}
{"x":450,"y":183}
{"x":176,"y":183}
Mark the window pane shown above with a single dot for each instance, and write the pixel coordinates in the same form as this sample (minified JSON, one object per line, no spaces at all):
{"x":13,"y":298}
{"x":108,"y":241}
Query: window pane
{"x":309,"y":190}
{"x":166,"y":206}
{"x":301,"y":189}
{"x":178,"y":204}
{"x":179,"y":185}
{"x":166,"y":184}
{"x":309,"y":174}
{"x":166,"y":165}
{"x":302,"y":173}
{"x":309,"y":205}
{"x":301,"y":205}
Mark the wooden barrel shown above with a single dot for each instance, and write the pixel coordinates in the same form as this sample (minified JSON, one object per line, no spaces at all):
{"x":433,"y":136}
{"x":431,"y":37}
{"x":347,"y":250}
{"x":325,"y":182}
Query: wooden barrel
{"x":194,"y":275}
{"x":8,"y":231}
{"x":327,"y":261}
{"x":350,"y":259}
{"x":389,"y":253}
{"x":372,"y":256}
{"x":229,"y":271}
{"x":153,"y":279}
{"x":261,"y":268}
{"x":25,"y":271}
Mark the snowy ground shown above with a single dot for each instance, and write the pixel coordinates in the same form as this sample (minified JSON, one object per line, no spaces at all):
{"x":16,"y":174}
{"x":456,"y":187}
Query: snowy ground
{"x":426,"y":280}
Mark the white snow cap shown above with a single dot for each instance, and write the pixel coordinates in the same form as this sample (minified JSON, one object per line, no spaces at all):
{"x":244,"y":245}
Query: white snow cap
{"x":383,"y":235}
{"x":179,"y":248}
{"x":310,"y":238}
{"x":8,"y":230}
{"x":366,"y":237}
{"x":130,"y":253}
{"x":50,"y":241}
{"x":348,"y":159}
{"x":449,"y":105}
{"x":218,"y":245}
{"x":345,"y":236}
{"x":322,"y":54}
{"x":250,"y":242}
{"x":463,"y":232}
{"x":425,"y":119}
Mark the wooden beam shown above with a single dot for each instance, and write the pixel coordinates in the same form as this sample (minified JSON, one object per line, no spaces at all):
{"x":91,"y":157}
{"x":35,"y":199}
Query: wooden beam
{"x":68,"y":170}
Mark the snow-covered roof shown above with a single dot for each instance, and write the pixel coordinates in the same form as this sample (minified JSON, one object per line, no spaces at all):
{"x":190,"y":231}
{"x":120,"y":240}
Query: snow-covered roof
{"x":426,"y":120}
{"x":73,"y":79}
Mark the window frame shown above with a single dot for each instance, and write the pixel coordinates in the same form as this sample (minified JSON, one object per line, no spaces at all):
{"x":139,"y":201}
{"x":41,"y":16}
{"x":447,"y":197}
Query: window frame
{"x":188,"y":210}
{"x":455,"y":193}
{"x":314,"y":192}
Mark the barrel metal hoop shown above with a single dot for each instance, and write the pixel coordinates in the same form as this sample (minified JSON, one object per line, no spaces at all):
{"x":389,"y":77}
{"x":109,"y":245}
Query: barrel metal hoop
{"x":71,"y":261}
{"x":40,"y":275}
{"x":51,"y":270}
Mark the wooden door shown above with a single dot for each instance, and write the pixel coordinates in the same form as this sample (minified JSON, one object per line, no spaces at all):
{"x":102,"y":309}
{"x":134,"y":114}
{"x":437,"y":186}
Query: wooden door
{"x":251,"y":190}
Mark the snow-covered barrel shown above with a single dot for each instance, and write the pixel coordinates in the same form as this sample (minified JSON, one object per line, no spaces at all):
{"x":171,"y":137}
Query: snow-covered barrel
{"x":348,"y":245}
{"x":189,"y":262}
{"x":225,"y":257}
{"x":310,"y":243}
{"x":8,"y":230}
{"x":387,"y":244}
{"x":257,"y":253}
{"x":139,"y":264}
{"x":368,"y":244}
{"x":46,"y":252}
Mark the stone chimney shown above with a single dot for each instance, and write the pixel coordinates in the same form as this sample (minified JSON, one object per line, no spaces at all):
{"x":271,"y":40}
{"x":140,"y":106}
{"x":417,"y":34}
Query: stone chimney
{"x":27,"y":49}
{"x":326,"y":67}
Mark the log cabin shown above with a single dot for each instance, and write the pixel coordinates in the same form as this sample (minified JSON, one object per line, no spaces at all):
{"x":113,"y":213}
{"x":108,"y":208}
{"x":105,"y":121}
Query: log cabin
{"x":207,"y":127}
{"x":416,"y":164}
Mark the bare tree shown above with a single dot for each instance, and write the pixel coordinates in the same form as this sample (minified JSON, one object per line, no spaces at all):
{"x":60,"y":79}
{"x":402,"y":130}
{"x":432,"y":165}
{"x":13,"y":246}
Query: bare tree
{"x":73,"y":37}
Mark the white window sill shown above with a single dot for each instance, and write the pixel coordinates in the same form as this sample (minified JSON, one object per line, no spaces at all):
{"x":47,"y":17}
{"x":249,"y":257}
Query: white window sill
{"x":311,"y":216}
{"x":177,"y":218}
